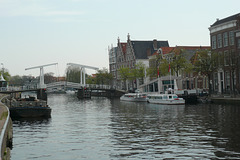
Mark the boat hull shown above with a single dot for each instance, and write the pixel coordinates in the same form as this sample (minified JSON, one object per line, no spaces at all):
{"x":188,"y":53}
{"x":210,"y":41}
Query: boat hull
{"x":166,"y":99}
{"x":133,"y":99}
{"x":168,"y":102}
{"x":30,"y":112}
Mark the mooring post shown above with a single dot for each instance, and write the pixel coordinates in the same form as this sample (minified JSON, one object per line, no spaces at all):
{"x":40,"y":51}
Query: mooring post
{"x":84,"y":93}
{"x":41,"y":94}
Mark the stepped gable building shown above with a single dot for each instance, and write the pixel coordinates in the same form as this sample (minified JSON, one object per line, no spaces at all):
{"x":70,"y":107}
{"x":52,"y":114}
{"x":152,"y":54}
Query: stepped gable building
{"x":225,"y":42}
{"x":132,"y":52}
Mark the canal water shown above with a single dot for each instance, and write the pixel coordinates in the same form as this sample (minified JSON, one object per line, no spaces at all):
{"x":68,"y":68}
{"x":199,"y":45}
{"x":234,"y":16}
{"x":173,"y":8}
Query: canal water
{"x":102,"y":128}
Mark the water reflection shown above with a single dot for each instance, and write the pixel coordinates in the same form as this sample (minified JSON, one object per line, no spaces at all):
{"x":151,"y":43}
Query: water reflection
{"x":101,"y":128}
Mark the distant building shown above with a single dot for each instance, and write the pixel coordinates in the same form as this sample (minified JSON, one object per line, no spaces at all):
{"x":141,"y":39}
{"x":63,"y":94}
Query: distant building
{"x":128,"y":54}
{"x":3,"y":83}
{"x":112,"y":53}
{"x":225,"y":42}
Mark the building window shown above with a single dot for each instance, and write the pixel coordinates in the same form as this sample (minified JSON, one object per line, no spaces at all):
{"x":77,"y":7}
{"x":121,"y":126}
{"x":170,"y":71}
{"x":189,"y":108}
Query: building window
{"x":225,"y":39}
{"x":231,"y":38}
{"x":219,"y":40}
{"x":238,"y":43}
{"x":226,"y":58}
{"x":232,"y":57}
{"x":216,"y":81}
{"x":220,"y":59}
{"x":227,"y":79}
{"x":207,"y":83}
{"x":214,"y":42}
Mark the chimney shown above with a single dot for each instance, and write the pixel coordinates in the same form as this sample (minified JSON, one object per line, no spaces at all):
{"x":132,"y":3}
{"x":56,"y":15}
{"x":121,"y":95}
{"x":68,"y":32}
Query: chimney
{"x":155,"y":47}
{"x":118,"y":40}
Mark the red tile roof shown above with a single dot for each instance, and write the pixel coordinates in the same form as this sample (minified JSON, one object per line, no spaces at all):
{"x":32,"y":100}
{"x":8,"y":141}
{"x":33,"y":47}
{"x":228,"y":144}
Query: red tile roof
{"x":176,"y":49}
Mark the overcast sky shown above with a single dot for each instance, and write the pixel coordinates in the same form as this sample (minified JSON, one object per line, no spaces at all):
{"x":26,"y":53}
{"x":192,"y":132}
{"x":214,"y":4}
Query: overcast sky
{"x":39,"y":32}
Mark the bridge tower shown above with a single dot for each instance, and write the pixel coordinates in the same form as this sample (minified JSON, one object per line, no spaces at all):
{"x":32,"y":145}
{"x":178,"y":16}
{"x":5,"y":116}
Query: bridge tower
{"x":82,"y":68}
{"x":41,"y":83}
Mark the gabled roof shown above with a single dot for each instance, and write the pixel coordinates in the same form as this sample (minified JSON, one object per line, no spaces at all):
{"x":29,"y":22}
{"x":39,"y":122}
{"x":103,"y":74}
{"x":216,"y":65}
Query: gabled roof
{"x":167,"y":50}
{"x":141,"y":48}
{"x":124,"y":47}
{"x":233,"y":17}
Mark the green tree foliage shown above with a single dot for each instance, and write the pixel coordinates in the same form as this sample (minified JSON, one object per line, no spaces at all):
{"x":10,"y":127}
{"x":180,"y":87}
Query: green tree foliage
{"x":157,"y":65}
{"x":138,"y":72}
{"x":49,"y":78}
{"x":91,"y":80}
{"x":73,"y":74}
{"x":21,"y":80}
{"x":233,"y":66}
{"x":103,"y":77}
{"x":125,"y":74}
{"x":163,"y":68}
{"x":16,"y":81}
{"x":179,"y":62}
{"x":206,"y":62}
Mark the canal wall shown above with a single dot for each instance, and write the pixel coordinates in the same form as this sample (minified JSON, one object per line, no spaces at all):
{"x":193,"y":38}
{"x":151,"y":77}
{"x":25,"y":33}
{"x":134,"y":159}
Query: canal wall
{"x":225,"y":100}
{"x":5,"y":130}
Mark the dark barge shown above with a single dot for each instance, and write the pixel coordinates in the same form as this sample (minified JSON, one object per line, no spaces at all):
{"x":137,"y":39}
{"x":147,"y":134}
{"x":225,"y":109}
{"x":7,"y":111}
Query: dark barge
{"x":28,"y":108}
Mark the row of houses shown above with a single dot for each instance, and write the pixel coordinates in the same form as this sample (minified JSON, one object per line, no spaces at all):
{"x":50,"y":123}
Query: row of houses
{"x":225,"y":41}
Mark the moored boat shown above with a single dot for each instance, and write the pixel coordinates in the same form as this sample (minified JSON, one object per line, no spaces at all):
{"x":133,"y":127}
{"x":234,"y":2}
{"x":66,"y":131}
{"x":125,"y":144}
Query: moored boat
{"x":168,"y":99}
{"x":134,"y":97}
{"x":28,"y":108}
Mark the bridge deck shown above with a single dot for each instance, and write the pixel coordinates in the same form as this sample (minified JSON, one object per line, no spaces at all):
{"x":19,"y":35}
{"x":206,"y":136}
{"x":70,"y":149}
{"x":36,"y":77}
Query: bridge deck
{"x":17,"y":91}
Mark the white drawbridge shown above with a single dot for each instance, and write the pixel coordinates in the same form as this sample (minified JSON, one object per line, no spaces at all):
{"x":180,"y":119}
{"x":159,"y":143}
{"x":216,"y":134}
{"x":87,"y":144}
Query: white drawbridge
{"x":41,"y":83}
{"x":83,"y":71}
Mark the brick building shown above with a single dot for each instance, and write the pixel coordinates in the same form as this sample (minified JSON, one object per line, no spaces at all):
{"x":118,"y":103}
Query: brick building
{"x":225,"y":42}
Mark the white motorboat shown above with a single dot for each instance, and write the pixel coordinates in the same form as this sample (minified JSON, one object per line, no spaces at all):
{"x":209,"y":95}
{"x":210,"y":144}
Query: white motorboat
{"x":134,"y":97}
{"x":168,"y":99}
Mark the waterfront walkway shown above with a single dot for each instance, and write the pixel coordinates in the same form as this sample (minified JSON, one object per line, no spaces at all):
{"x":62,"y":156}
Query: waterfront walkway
{"x":3,"y":111}
{"x":5,"y":130}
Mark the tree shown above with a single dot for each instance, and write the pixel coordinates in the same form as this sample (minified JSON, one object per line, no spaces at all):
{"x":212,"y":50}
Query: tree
{"x":73,"y":74}
{"x":138,"y":72}
{"x":48,"y":78}
{"x":205,"y":63}
{"x":108,"y":77}
{"x":16,"y":81}
{"x":179,"y":62}
{"x":103,"y":77}
{"x":163,"y":68}
{"x":125,"y":74}
{"x":233,"y":66}
{"x":91,"y":80}
{"x":158,"y":66}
